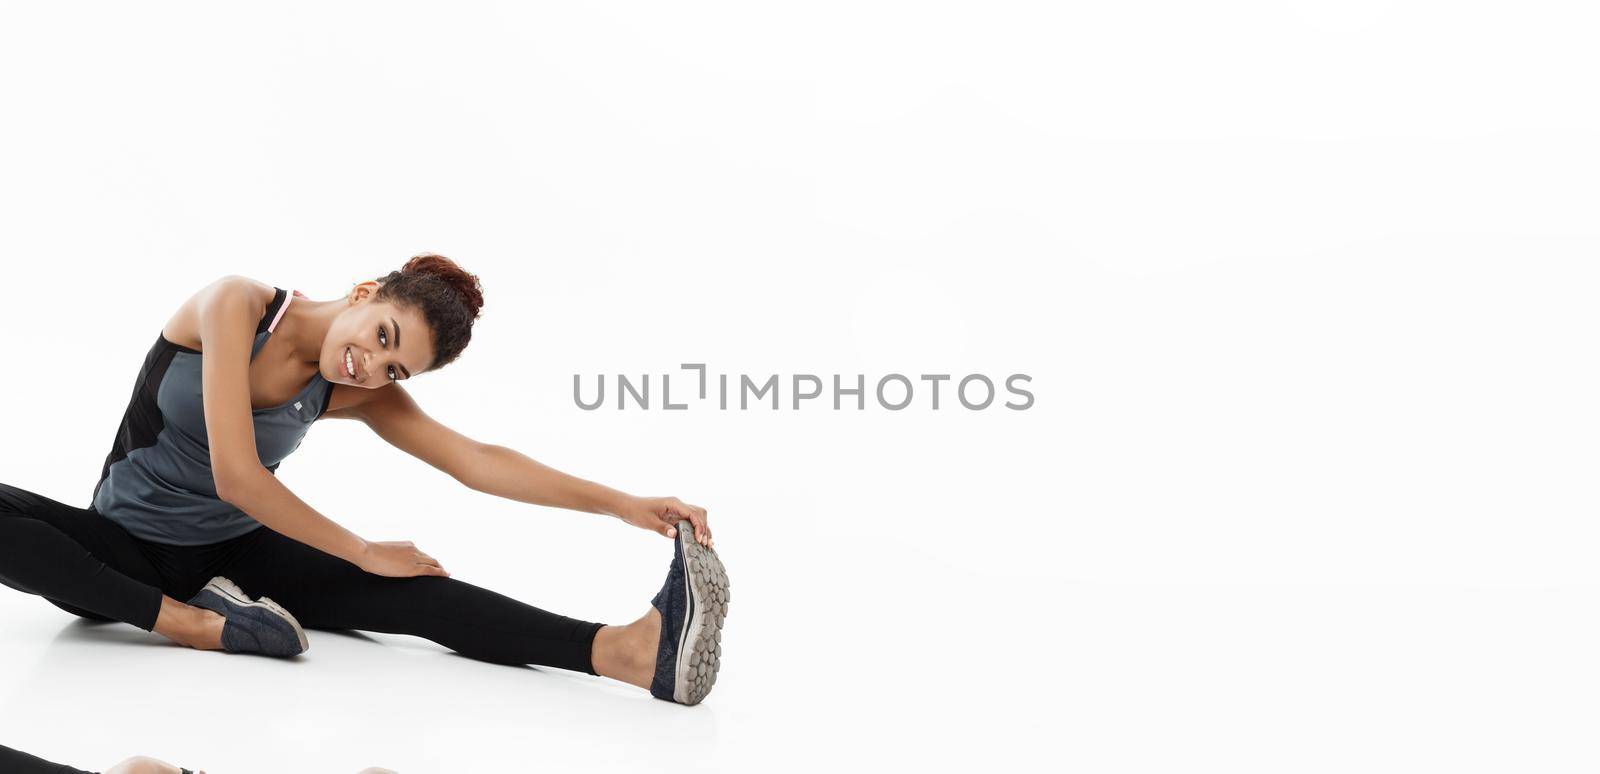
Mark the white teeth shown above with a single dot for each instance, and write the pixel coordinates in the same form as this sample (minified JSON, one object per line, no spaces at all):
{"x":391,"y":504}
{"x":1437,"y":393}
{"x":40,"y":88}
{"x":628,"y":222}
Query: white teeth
{"x":349,"y":364}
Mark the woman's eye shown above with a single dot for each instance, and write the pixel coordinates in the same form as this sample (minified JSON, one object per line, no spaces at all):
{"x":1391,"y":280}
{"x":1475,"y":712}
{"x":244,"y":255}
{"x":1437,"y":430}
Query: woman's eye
{"x":383,"y":337}
{"x":392,"y":375}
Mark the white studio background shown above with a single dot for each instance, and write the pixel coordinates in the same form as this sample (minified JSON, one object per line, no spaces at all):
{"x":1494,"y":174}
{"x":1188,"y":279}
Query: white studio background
{"x":1306,"y":292}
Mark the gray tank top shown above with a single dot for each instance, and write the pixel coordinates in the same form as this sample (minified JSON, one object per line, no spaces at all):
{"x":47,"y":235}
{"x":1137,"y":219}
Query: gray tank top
{"x":157,"y":480}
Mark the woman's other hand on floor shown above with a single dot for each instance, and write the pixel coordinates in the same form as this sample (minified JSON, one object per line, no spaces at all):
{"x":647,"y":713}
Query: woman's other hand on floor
{"x":662,"y":514}
{"x":398,"y":559}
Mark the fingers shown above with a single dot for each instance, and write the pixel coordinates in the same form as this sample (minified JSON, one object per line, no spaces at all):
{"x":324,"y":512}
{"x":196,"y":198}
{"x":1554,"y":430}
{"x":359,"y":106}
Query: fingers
{"x":424,"y":564}
{"x":697,"y":518}
{"x":702,"y":533}
{"x":671,"y":510}
{"x":702,"y":530}
{"x":430,"y":569}
{"x":430,"y":562}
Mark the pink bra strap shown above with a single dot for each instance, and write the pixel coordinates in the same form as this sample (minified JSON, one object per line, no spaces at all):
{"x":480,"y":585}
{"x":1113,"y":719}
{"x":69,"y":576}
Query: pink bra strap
{"x":282,"y":309}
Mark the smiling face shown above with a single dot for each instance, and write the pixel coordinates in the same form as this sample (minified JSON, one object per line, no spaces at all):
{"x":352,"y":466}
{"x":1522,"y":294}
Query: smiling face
{"x":382,"y":341}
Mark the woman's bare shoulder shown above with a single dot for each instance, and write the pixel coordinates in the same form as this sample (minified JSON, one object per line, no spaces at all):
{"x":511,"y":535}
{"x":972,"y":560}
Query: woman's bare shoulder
{"x":183,"y":328}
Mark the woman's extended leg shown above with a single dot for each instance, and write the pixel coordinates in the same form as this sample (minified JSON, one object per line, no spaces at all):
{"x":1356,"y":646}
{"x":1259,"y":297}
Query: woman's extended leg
{"x":325,"y":592}
{"x":90,"y":566}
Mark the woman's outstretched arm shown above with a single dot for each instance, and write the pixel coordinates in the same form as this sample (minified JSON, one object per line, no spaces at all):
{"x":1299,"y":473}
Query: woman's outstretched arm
{"x":513,"y":475}
{"x":503,"y":472}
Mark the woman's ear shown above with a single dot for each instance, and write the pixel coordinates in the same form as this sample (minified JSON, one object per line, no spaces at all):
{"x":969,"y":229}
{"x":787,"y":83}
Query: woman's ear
{"x":361,"y":291}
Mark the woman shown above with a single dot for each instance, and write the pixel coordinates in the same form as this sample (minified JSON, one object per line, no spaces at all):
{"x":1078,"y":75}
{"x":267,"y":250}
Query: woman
{"x":188,"y":506}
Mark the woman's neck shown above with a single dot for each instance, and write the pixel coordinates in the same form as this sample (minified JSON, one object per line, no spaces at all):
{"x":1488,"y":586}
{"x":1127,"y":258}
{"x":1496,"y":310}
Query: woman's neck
{"x":305,"y":324}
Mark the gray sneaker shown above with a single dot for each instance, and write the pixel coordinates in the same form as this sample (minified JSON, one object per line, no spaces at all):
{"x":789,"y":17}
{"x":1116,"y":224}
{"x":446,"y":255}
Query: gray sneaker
{"x":260,"y":626}
{"x":693,"y":604}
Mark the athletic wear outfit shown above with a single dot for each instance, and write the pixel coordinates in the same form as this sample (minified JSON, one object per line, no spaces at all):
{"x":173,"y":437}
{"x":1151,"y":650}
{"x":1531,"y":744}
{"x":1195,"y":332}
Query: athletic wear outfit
{"x":157,"y":480}
{"x":155,"y":526}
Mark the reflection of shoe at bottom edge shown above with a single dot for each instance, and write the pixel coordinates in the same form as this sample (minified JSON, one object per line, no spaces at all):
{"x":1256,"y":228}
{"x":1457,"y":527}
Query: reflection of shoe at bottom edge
{"x":693,"y":603}
{"x":259,"y":626}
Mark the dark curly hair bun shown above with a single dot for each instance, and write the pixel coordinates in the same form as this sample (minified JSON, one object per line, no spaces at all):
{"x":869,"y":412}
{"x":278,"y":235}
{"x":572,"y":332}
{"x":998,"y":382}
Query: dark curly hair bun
{"x":449,"y":297}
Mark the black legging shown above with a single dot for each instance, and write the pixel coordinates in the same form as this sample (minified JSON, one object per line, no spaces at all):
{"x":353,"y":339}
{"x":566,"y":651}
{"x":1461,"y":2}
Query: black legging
{"x":89,"y":565}
{"x":19,"y":762}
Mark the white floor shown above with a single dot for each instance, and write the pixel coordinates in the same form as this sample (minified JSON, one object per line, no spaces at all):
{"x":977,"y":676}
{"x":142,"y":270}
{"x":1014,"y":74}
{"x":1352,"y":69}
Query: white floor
{"x":1139,"y":679}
